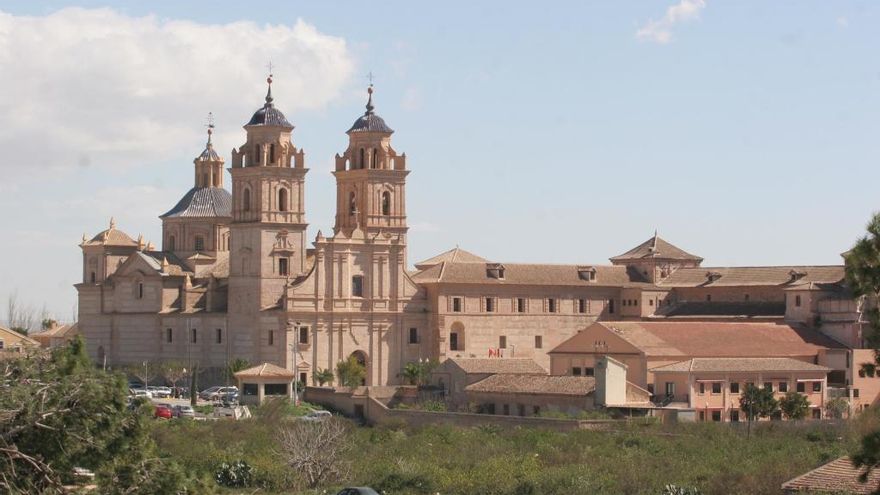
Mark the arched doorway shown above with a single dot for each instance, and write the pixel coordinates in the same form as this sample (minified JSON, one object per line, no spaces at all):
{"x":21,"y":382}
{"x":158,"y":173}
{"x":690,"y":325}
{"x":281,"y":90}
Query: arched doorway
{"x":456,"y":337}
{"x":361,"y":358}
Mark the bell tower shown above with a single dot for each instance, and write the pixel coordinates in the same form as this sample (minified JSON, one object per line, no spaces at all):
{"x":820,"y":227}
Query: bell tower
{"x":371,"y":179}
{"x":268,"y":216}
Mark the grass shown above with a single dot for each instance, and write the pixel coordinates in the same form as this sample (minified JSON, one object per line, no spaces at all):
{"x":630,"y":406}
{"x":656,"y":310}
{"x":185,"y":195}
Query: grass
{"x":638,"y":459}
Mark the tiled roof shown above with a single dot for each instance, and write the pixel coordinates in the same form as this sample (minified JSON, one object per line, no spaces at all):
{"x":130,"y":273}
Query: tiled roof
{"x":202,"y":202}
{"x":837,"y":476}
{"x":724,"y":308}
{"x":56,"y":331}
{"x":266,"y":370}
{"x":111,"y":237}
{"x":741,"y":364}
{"x":370,"y":123}
{"x":209,"y":155}
{"x":752,"y":275}
{"x":530,"y":274}
{"x":656,"y":248}
{"x":456,"y":255}
{"x":155,"y":258}
{"x":13,"y":334}
{"x":499,"y":365}
{"x":535,"y":384}
{"x":709,"y":339}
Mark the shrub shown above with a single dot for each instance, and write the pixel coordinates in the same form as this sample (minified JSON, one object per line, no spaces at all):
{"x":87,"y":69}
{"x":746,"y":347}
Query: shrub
{"x":236,"y":474}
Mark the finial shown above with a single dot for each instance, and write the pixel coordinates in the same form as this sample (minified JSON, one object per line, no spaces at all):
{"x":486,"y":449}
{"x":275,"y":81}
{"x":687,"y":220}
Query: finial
{"x":112,"y":223}
{"x":210,"y":125}
{"x":370,"y":106}
{"x":140,"y":242}
{"x":85,"y":239}
{"x":269,"y":82}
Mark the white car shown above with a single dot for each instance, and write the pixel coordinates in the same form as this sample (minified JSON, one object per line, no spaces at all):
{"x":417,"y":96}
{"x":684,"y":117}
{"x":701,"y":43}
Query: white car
{"x":183,"y":411}
{"x":216,"y":393}
{"x":140,"y":392}
{"x":314,"y":415}
{"x":160,"y":392}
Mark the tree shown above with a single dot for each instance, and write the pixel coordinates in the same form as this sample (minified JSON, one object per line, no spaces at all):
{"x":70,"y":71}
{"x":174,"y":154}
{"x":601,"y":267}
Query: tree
{"x":143,"y":372}
{"x":323,"y":376}
{"x":756,"y":403}
{"x":173,"y":371}
{"x":19,"y":318}
{"x":418,"y":373}
{"x":316,"y":450}
{"x":794,"y":405}
{"x":837,"y":407}
{"x":236,"y":365}
{"x":193,"y":385}
{"x":57,"y":411}
{"x":351,"y":372}
{"x":48,"y":323}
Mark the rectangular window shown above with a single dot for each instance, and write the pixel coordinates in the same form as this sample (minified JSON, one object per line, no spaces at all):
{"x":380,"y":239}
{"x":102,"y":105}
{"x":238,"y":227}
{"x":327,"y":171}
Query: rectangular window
{"x":670,"y":389}
{"x":2,"y":344}
{"x":650,"y":302}
{"x":282,"y":267}
{"x":357,"y":286}
{"x":456,"y":305}
{"x":575,"y":371}
{"x":506,"y":409}
{"x":801,"y":387}
{"x":702,"y":388}
{"x":522,"y":409}
{"x":797,"y":301}
{"x":502,"y":341}
{"x":271,"y":337}
{"x":589,"y":372}
{"x":219,"y":335}
{"x":582,"y":305}
{"x":716,"y":387}
{"x":169,"y":335}
{"x":453,"y":342}
{"x":734,"y":416}
{"x":536,"y":410}
{"x":539,"y":342}
{"x":520,"y":305}
{"x":303,"y":335}
{"x":708,"y":297}
{"x":817,"y":386}
{"x":817,"y":413}
{"x":551,"y":305}
{"x":734,"y":387}
{"x":716,"y":415}
{"x":195,"y":336}
{"x":200,"y":243}
{"x":303,"y":377}
{"x":490,"y":305}
{"x":413,"y":335}
{"x":611,"y":306}
{"x":768,"y":386}
{"x":702,"y":415}
{"x":783,"y":387}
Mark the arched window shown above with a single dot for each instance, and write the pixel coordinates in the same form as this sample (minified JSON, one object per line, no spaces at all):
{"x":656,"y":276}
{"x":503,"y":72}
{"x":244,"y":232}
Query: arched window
{"x":195,"y":336}
{"x":256,"y":154}
{"x":169,"y":335}
{"x":140,"y":290}
{"x":199,"y":243}
{"x":375,"y":161}
{"x":94,"y":278}
{"x":271,"y":153}
{"x":352,"y":207}
{"x":456,"y":337}
{"x":282,"y":199}
{"x":386,"y":203}
{"x":171,"y":242}
{"x":362,"y":159}
{"x":205,"y":182}
{"x":246,"y":200}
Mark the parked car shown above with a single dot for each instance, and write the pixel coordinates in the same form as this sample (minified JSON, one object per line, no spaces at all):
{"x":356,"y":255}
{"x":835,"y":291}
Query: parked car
{"x":214,"y":393}
{"x":163,"y":411}
{"x":315,"y":415}
{"x":140,"y":392}
{"x":358,"y":490}
{"x":160,"y":392}
{"x":183,"y":411}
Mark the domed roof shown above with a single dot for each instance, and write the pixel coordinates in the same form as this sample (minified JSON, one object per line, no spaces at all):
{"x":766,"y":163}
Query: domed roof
{"x":268,"y":115}
{"x":369,"y":121}
{"x":111,"y":237}
{"x":202,"y":202}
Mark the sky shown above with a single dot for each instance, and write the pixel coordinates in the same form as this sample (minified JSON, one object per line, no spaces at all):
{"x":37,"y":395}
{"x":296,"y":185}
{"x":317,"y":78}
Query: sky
{"x":560,"y":132}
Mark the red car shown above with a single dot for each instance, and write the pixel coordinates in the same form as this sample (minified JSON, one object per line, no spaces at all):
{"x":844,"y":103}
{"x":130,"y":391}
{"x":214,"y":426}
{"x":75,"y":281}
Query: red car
{"x":163,"y":411}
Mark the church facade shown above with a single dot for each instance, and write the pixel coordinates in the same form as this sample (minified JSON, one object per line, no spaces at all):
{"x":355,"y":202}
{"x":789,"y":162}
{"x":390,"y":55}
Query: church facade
{"x":236,"y":276}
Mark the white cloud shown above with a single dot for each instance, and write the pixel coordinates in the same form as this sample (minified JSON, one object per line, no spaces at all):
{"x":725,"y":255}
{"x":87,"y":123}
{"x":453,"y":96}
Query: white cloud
{"x":842,"y":22}
{"x":94,"y":87}
{"x":660,"y":31}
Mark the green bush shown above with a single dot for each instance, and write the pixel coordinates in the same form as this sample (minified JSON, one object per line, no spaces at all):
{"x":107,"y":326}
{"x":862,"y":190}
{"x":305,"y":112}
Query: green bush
{"x":234,"y":474}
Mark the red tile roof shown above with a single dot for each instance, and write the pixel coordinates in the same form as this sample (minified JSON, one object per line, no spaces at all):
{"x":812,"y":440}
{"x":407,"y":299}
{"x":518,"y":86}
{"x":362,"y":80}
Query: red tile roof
{"x":498,"y":365}
{"x":535,"y":384}
{"x":837,"y":476}
{"x":740,"y":364}
{"x":752,"y":276}
{"x":656,"y":248}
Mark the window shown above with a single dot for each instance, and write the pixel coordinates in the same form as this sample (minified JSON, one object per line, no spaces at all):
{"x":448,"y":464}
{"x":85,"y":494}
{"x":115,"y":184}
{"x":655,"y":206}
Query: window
{"x":171,"y":242}
{"x":797,"y":301}
{"x":352,"y":204}
{"x":169,"y":335}
{"x":246,"y":200}
{"x":539,"y":342}
{"x":374,"y":162}
{"x":200,"y":243}
{"x":702,"y":415}
{"x":768,"y":386}
{"x":362,"y":162}
{"x":386,"y":203}
{"x":734,"y":416}
{"x":218,"y":335}
{"x":670,"y":389}
{"x":506,"y":409}
{"x":702,"y":388}
{"x":817,"y":386}
{"x":708,"y":297}
{"x":801,"y":387}
{"x":357,"y":286}
{"x":635,"y":302}
{"x":1,"y":344}
{"x":716,"y":415}
{"x":490,"y":304}
{"x":413,"y":335}
{"x":747,"y":297}
{"x":576,"y":371}
{"x":272,"y":153}
{"x":275,"y":389}
{"x":282,"y":199}
{"x":716,"y":387}
{"x":453,"y":342}
{"x":283,"y":268}
{"x":817,"y":413}
{"x":520,"y":305}
{"x":589,"y":372}
{"x":456,"y":305}
{"x":522,"y":409}
{"x":502,"y":342}
{"x":140,"y":290}
{"x":303,"y":335}
{"x":249,"y":389}
{"x":302,"y":378}
{"x":194,"y":336}
{"x":582,"y":305}
{"x":256,"y":154}
{"x":271,"y":337}
{"x":536,"y":410}
{"x":611,"y":306}
{"x":551,"y":305}
{"x":650,"y":302}
{"x":783,"y":387}
{"x":93,"y":277}
{"x":734,"y":387}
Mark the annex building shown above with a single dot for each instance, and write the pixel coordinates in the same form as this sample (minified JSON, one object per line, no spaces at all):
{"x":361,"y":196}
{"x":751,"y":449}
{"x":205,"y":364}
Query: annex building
{"x":237,"y":276}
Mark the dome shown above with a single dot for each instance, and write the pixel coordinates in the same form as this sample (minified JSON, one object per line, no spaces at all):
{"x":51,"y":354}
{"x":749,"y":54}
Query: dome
{"x":209,"y":155}
{"x":111,"y":237}
{"x":269,"y":115}
{"x":203,"y":202}
{"x":369,"y":121}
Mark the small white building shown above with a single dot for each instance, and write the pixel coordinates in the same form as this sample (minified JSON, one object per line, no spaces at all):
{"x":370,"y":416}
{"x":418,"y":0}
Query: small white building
{"x":264,"y":381}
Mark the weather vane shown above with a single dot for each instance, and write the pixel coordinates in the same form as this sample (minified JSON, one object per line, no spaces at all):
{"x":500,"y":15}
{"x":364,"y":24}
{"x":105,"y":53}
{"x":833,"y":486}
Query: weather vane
{"x":209,"y":122}
{"x":370,"y":77}
{"x":270,"y":66}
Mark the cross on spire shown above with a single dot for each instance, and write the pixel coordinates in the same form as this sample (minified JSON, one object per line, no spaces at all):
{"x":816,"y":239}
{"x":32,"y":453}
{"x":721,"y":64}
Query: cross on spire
{"x":270,"y":66}
{"x":370,"y":77}
{"x":209,"y":123}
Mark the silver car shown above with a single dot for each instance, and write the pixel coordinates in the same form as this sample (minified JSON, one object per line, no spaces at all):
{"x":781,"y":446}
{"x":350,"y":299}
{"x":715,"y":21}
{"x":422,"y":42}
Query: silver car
{"x":183,"y":411}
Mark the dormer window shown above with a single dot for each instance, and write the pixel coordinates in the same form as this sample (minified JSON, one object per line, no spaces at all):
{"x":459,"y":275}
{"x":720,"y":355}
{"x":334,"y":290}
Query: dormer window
{"x":587,"y":273}
{"x":796,"y":275}
{"x":712,"y":276}
{"x":495,"y":270}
